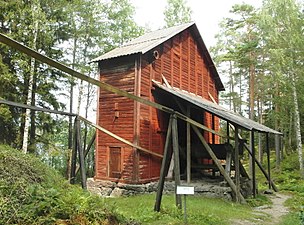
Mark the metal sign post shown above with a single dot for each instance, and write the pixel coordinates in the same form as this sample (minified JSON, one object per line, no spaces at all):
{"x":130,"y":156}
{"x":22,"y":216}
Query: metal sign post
{"x":185,"y":190}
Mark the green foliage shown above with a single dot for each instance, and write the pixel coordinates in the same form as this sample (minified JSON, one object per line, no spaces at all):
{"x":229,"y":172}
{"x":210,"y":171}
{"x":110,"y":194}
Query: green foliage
{"x":177,"y":12}
{"x":32,"y":193}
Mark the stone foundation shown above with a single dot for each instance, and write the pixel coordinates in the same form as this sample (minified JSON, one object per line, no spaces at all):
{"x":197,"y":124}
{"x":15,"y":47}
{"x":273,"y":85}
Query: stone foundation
{"x":216,"y":188}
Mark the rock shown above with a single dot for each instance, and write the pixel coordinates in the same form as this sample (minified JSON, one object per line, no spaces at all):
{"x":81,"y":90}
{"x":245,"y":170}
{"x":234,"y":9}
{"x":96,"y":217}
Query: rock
{"x":268,"y":192}
{"x":117,"y":192}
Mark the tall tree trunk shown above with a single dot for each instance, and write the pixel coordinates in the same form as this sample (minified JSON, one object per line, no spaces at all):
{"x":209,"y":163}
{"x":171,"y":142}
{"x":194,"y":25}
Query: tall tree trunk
{"x":35,"y":16}
{"x":240,"y":95}
{"x":70,"y":138}
{"x":31,"y":147}
{"x":251,"y":89}
{"x":231,"y":102}
{"x":290,"y":132}
{"x":276,"y":126}
{"x":297,"y":124}
{"x":260,"y":135}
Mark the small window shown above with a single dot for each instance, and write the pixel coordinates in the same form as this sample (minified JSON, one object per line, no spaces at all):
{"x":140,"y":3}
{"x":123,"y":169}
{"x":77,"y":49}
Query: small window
{"x":115,"y":162}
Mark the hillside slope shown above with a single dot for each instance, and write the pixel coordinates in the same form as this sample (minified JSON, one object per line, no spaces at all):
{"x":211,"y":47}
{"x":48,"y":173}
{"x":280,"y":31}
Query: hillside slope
{"x":32,"y":193}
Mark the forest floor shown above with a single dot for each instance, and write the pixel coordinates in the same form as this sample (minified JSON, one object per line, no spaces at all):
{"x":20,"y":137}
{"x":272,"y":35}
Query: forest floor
{"x":269,"y":214}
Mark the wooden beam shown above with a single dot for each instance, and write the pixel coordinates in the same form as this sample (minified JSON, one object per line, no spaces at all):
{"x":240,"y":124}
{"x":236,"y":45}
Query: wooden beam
{"x":81,"y":155}
{"x":253,"y":165}
{"x":268,"y":160}
{"x":176,"y":160}
{"x":120,"y":138}
{"x":164,"y":167}
{"x":88,"y":149}
{"x":188,"y":147}
{"x":213,"y":128}
{"x":228,"y":132}
{"x":237,"y":162}
{"x":74,"y":156}
{"x":35,"y":108}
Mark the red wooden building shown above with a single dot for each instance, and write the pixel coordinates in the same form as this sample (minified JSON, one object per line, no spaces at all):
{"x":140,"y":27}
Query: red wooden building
{"x":176,"y":56}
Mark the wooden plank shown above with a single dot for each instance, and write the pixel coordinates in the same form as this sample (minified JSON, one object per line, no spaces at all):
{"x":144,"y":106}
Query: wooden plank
{"x":253,"y":165}
{"x":188,"y":147}
{"x":164,"y":167}
{"x":120,"y":138}
{"x":213,"y":128}
{"x":86,"y":152}
{"x":237,"y":163}
{"x":35,"y":108}
{"x":228,"y":163}
{"x":268,"y":160}
{"x":176,"y":160}
{"x":81,"y":155}
{"x":74,"y":156}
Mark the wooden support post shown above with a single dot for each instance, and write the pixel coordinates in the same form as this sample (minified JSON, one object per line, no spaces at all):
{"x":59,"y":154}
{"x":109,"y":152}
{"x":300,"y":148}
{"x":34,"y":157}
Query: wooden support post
{"x":213,"y":128}
{"x":268,"y":160}
{"x":188,"y":147}
{"x":253,"y":165}
{"x":213,"y":139}
{"x":218,"y":164}
{"x":229,"y":154}
{"x":74,"y":156}
{"x":87,"y":150}
{"x":90,"y":145}
{"x":176,"y":160}
{"x":228,"y":132}
{"x":237,"y":164}
{"x":81,"y":155}
{"x":228,"y":163}
{"x":263,"y":170}
{"x":164,"y":167}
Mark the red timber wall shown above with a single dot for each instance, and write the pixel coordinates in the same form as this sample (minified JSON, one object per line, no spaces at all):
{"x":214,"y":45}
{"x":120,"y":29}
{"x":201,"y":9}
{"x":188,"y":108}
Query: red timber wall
{"x":115,"y":160}
{"x":182,"y":63}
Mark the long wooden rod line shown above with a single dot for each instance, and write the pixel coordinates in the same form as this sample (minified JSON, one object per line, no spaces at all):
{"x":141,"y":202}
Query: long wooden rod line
{"x":22,"y":48}
{"x":35,"y":108}
{"x":120,"y":138}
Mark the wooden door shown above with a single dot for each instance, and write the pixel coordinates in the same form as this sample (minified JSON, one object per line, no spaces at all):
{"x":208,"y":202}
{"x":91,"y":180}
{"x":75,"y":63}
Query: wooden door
{"x":115,"y":162}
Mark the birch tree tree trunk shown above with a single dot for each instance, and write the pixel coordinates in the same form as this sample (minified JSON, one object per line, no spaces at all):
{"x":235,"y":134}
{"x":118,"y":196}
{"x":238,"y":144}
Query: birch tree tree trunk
{"x":35,"y":17}
{"x":297,"y":124}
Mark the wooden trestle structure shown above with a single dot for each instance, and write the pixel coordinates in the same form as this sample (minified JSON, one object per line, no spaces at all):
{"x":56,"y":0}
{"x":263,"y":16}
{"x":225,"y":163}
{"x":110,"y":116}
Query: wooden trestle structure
{"x":171,"y":142}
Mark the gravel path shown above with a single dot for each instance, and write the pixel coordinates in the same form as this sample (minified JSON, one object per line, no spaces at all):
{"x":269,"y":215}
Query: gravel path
{"x":270,"y":215}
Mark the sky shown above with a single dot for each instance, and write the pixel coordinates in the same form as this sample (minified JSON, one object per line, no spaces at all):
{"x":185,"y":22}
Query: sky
{"x":205,"y":13}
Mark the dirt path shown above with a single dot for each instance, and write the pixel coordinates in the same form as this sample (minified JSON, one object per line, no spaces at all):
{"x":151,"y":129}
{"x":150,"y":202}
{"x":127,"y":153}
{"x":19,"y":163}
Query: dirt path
{"x":269,"y":215}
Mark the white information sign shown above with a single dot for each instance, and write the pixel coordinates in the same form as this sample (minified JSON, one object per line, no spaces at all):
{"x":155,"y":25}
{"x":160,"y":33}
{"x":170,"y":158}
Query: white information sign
{"x":184,"y":190}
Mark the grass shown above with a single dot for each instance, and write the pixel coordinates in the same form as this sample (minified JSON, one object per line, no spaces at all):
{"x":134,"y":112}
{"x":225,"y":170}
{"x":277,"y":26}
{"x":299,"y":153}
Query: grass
{"x":32,"y":193}
{"x":200,"y":210}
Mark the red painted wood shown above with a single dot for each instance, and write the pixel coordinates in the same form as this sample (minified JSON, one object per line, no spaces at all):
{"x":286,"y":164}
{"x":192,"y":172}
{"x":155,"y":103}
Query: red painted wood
{"x":182,"y":63}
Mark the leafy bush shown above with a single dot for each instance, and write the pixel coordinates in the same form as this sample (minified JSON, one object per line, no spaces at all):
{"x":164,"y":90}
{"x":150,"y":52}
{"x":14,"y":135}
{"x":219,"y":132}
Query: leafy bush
{"x":32,"y":193}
